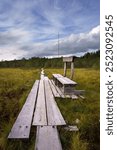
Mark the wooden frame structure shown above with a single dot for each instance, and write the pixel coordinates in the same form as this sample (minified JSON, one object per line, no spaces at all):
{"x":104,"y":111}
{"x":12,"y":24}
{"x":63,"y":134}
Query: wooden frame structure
{"x":69,"y":60}
{"x":65,"y":84}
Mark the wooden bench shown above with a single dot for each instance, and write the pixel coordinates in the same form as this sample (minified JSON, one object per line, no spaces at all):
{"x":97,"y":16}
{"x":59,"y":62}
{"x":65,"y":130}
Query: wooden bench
{"x":65,"y":84}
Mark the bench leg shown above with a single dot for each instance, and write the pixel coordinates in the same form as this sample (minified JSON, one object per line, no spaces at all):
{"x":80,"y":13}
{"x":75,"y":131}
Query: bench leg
{"x":65,"y":68}
{"x":72,"y":69}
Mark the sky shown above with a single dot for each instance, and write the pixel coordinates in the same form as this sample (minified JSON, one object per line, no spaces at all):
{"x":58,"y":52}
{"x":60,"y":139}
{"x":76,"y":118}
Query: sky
{"x":29,"y":28}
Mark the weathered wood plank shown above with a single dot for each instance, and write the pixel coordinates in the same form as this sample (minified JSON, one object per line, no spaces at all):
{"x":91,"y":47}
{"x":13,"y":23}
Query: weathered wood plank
{"x":53,"y":113}
{"x":64,"y":80}
{"x":22,"y":125}
{"x":57,"y":75}
{"x":70,"y":81}
{"x":56,"y":94}
{"x":58,"y":90}
{"x":79,"y":92}
{"x":40,"y":117}
{"x":81,"y":96}
{"x":68,"y":59}
{"x":74,"y":96}
{"x":47,"y":138}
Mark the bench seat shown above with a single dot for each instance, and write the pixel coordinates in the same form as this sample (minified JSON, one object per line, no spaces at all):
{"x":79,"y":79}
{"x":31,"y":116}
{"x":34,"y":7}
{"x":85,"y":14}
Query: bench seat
{"x":65,"y":84}
{"x":64,"y":80}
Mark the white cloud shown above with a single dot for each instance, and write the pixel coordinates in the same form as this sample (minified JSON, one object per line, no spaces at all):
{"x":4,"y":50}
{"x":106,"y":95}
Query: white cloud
{"x":11,"y":53}
{"x":21,"y":46}
{"x":30,"y":28}
{"x":72,"y":44}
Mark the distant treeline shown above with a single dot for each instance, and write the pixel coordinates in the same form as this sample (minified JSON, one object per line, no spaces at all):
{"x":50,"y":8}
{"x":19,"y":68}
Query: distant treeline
{"x":89,"y":60}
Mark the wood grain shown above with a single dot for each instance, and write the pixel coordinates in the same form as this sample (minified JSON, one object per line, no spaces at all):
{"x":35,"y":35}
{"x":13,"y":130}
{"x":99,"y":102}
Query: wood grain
{"x":22,"y":125}
{"x":53,"y":113}
{"x":40,"y":117}
{"x":47,"y":138}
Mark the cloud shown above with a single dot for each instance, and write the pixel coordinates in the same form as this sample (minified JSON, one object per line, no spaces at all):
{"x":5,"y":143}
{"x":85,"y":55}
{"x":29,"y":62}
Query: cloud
{"x":49,"y":16}
{"x":30,"y":28}
{"x":11,"y":53}
{"x":73,"y":44}
{"x":14,"y":36}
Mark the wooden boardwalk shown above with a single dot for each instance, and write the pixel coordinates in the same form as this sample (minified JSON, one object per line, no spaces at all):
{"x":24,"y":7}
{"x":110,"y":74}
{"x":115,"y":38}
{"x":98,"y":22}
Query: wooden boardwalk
{"x":53,"y":113}
{"x":47,"y":111}
{"x":46,"y":116}
{"x":47,"y":138}
{"x":22,"y":125}
{"x":40,"y":116}
{"x":41,"y":110}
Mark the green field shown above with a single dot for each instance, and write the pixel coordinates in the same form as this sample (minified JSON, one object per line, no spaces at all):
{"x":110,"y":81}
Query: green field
{"x":15,"y":85}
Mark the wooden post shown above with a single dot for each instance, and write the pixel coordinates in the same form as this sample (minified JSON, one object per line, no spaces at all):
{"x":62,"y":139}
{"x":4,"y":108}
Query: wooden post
{"x":65,"y":68}
{"x":71,"y":61}
{"x":72,"y":69}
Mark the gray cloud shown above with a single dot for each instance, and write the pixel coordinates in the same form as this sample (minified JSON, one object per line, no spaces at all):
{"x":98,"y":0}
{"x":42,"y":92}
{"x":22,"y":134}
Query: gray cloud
{"x":73,"y":44}
{"x":21,"y":44}
{"x":28,"y":27}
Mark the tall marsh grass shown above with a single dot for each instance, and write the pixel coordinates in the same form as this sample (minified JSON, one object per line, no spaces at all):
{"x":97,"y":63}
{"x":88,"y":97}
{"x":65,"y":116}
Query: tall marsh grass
{"x":15,"y":84}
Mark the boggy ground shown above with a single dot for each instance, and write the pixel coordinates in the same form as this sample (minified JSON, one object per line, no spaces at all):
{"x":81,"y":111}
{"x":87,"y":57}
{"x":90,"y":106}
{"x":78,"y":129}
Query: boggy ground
{"x":15,"y":84}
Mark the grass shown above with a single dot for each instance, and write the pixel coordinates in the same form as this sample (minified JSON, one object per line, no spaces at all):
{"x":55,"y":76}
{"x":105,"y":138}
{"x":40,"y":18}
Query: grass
{"x":15,"y":85}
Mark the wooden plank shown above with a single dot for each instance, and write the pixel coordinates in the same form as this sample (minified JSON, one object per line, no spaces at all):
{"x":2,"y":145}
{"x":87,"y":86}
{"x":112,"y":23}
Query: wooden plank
{"x":53,"y":113}
{"x":70,"y":81}
{"x":62,"y":81}
{"x":68,"y":59}
{"x":66,"y":81}
{"x":71,"y":128}
{"x":56,"y":94}
{"x":79,"y":92}
{"x":40,"y":117}
{"x":65,"y":95}
{"x":22,"y":125}
{"x":81,"y":96}
{"x":58,"y":90}
{"x":74,"y":96}
{"x":57,"y":76}
{"x":47,"y":138}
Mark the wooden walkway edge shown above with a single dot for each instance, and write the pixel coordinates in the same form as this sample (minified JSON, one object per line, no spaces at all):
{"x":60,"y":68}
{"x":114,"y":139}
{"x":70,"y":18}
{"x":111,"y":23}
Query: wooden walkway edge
{"x":22,"y":125}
